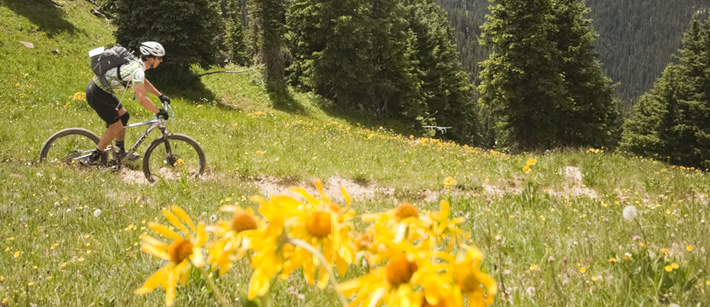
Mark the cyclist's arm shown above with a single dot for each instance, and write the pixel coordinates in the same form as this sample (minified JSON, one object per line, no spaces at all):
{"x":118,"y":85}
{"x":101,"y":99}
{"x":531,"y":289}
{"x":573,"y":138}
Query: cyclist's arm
{"x":151,"y":89}
{"x":143,"y":99}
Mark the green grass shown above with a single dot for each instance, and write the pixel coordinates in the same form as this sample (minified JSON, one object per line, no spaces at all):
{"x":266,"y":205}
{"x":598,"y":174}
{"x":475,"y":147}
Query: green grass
{"x":565,"y":215}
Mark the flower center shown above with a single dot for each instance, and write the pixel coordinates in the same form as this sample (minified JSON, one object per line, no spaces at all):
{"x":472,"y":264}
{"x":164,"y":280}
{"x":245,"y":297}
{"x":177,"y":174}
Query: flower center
{"x":318,"y":224}
{"x":243,"y":221}
{"x":406,"y":210}
{"x":467,"y":281}
{"x":180,"y":250}
{"x":399,"y":270}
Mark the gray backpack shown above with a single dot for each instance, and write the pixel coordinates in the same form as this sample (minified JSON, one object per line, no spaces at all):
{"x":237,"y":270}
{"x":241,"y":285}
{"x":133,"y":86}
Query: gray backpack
{"x":104,"y":59}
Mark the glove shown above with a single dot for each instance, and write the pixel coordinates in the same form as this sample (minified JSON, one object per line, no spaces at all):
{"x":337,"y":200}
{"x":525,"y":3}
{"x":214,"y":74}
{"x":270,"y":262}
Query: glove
{"x":163,"y":114}
{"x":164,"y":99}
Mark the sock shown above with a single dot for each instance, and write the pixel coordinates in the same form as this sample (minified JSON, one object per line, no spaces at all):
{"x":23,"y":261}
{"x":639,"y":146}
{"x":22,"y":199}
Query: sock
{"x":120,"y":145}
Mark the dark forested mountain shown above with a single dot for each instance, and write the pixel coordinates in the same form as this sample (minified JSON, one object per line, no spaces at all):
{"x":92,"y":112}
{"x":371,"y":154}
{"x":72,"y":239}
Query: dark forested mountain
{"x":636,"y":37}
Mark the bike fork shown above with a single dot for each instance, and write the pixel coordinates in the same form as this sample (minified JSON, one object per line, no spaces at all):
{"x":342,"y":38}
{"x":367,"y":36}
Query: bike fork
{"x":170,"y":158}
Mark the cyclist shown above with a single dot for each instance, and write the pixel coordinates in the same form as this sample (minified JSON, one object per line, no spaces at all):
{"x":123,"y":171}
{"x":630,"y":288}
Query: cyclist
{"x":109,"y":108}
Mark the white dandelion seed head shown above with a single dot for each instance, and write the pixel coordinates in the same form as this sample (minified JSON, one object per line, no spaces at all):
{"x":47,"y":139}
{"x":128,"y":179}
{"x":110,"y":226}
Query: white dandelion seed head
{"x":630,"y":213}
{"x":213,"y":218}
{"x":97,"y":212}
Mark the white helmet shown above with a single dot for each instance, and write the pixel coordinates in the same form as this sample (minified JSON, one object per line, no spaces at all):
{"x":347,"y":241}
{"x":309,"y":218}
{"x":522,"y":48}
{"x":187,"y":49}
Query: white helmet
{"x":152,"y":48}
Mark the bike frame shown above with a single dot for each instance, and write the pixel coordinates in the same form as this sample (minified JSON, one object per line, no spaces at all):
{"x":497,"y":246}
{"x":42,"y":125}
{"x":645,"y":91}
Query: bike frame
{"x":152,"y":125}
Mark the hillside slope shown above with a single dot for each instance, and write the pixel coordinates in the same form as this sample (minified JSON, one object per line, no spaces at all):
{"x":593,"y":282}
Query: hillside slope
{"x":549,"y":223}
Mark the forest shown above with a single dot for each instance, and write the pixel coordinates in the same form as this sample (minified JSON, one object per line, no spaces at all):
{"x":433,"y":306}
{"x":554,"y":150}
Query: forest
{"x":636,"y":38}
{"x":506,"y":74}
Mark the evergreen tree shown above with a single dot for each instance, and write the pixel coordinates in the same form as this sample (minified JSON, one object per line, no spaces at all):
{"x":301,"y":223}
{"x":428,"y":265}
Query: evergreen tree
{"x":647,"y":130}
{"x":521,"y":81}
{"x":330,"y":43}
{"x":271,"y":15}
{"x":447,"y":93}
{"x":681,"y":134}
{"x":236,"y":39}
{"x":393,"y":87}
{"x":188,"y":29}
{"x":591,"y":118}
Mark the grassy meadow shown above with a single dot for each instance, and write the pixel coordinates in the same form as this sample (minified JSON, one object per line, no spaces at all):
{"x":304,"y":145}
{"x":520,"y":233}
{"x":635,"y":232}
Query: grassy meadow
{"x":554,"y":235}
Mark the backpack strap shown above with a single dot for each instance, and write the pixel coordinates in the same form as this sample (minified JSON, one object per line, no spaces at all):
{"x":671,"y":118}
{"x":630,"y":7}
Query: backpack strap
{"x":120,"y":79}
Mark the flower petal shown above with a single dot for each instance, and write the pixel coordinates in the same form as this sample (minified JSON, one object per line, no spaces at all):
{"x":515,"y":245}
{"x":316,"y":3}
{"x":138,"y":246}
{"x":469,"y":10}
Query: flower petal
{"x":197,"y":259}
{"x":176,"y":222}
{"x":183,"y":216}
{"x":150,"y":249}
{"x":154,"y":242}
{"x":155,"y":280}
{"x":165,"y":231}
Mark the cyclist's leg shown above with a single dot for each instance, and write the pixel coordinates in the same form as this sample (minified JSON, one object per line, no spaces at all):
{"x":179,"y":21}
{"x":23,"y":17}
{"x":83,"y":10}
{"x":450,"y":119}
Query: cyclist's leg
{"x":106,"y":106}
{"x":123,"y":116}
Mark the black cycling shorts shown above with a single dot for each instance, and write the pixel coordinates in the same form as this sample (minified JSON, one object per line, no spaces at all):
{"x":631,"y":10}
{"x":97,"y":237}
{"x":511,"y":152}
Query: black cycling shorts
{"x":105,"y":104}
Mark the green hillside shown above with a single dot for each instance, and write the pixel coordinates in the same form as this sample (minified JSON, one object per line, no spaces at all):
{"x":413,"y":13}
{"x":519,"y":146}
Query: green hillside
{"x":636,"y":40}
{"x":548,"y":223}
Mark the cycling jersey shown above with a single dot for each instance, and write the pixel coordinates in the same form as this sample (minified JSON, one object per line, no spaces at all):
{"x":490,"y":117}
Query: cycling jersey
{"x":131,"y":73}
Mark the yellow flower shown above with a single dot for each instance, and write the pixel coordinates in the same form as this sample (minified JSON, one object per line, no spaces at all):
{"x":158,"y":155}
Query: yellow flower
{"x":402,"y":222}
{"x":531,"y":161}
{"x":440,"y":226}
{"x":470,"y":281}
{"x":185,"y":251}
{"x":17,"y":254}
{"x":612,"y":260}
{"x":199,"y":106}
{"x":583,"y":270}
{"x":448,"y":182}
{"x":628,"y":256}
{"x":261,"y":153}
{"x":674,"y":265}
{"x":326,"y":226}
{"x":689,"y":248}
{"x":272,"y":251}
{"x":533,"y":267}
{"x":526,"y":169}
{"x":400,"y":281}
{"x":665,"y":251}
{"x":232,"y":237}
{"x":669,"y":268}
{"x":707,"y":282}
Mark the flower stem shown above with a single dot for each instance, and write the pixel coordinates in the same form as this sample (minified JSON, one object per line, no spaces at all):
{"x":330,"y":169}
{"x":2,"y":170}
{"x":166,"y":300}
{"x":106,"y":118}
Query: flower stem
{"x":324,"y":263}
{"x":215,"y":290}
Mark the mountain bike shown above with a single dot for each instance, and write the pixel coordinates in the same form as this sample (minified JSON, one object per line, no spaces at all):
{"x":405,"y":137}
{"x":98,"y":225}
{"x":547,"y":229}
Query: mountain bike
{"x":170,"y":156}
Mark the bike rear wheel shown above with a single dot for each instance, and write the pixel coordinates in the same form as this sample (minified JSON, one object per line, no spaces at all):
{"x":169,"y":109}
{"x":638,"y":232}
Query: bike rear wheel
{"x":68,"y":146}
{"x":179,"y":157}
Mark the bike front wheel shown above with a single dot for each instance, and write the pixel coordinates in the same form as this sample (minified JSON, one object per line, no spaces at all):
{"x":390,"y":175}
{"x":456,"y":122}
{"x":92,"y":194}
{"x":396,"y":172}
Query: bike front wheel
{"x":173,"y":156}
{"x":69,"y":146}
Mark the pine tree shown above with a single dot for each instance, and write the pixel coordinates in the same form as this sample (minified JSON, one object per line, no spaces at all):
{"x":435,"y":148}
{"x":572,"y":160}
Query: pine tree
{"x":592,"y":118}
{"x":681,"y":133}
{"x":330,"y":43}
{"x":271,"y":17}
{"x":521,"y":81}
{"x":393,"y":87}
{"x":188,"y":29}
{"x":647,"y":131}
{"x":236,"y":39}
{"x":447,"y":93}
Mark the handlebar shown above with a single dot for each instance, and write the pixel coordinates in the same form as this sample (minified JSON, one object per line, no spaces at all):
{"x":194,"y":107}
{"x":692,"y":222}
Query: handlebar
{"x":168,"y":108}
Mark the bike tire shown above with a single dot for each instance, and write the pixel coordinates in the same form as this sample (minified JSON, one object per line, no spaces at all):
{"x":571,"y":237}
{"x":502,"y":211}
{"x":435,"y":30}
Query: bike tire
{"x":85,"y":136}
{"x":157,"y":160}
